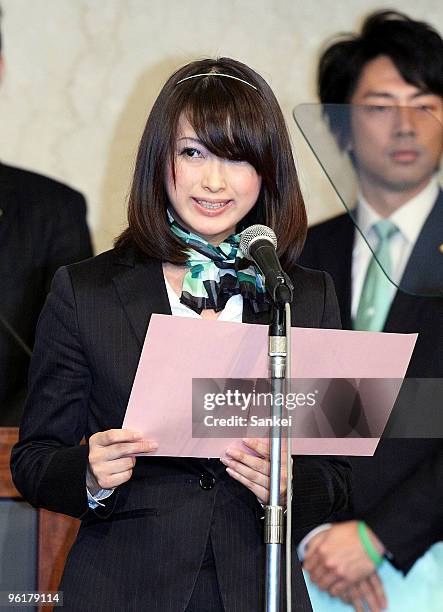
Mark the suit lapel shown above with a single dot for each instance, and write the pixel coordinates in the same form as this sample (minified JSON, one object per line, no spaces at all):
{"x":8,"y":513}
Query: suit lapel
{"x":423,"y":274}
{"x":404,"y":314}
{"x":142,"y":291}
{"x":340,"y":266}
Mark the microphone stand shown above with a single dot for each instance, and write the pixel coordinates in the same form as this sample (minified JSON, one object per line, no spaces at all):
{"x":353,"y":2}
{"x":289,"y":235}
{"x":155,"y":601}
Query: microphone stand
{"x":274,"y":513}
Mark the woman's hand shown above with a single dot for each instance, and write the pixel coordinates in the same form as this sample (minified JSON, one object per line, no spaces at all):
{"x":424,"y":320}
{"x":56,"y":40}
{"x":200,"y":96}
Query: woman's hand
{"x":111,"y":457}
{"x":254,"y":472}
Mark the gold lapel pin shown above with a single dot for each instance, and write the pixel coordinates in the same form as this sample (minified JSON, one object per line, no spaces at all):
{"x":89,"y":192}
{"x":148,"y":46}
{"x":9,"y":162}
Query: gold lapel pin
{"x":440,"y":248}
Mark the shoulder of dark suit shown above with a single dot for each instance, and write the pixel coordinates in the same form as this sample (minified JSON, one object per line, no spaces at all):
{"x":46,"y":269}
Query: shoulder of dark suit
{"x":30,"y":186}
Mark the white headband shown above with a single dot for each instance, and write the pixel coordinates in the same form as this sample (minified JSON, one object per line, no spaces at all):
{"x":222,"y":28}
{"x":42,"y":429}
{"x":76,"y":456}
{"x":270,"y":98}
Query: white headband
{"x":221,"y":74}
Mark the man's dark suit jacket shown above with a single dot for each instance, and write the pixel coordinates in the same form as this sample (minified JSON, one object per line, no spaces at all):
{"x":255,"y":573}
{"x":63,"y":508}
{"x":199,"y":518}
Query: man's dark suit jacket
{"x":399,"y":491}
{"x":42,"y":226}
{"x":144,"y":550}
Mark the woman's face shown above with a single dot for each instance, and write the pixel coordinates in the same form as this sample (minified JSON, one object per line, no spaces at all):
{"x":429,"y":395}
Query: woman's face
{"x":211,"y":195}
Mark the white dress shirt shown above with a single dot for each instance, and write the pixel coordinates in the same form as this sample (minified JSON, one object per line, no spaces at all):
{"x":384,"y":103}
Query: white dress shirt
{"x":232,"y":311}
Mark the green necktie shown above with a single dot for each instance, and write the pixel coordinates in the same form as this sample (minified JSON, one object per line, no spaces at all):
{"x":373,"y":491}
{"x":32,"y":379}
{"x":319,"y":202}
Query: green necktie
{"x":376,"y":294}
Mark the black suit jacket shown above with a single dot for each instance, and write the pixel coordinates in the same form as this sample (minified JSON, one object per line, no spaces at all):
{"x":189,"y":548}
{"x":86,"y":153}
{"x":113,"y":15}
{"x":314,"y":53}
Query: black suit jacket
{"x":42,"y":226}
{"x":144,"y":550}
{"x":399,"y":491}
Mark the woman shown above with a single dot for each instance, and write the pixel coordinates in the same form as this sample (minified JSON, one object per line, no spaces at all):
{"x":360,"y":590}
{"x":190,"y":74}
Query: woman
{"x":172,"y":534}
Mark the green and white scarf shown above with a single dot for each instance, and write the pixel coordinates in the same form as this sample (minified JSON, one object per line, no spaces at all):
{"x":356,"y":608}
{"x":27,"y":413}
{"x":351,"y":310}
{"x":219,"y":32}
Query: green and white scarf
{"x":217,"y":273}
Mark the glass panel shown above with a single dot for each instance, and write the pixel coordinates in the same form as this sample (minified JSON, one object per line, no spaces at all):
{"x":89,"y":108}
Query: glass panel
{"x":378,"y":159}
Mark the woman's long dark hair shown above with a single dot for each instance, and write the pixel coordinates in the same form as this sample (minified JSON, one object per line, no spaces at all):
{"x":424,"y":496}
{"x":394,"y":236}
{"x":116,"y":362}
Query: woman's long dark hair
{"x":233,"y":120}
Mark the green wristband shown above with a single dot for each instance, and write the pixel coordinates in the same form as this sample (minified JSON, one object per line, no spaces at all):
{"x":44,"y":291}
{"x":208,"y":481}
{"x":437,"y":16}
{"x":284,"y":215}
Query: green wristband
{"x":368,"y":546}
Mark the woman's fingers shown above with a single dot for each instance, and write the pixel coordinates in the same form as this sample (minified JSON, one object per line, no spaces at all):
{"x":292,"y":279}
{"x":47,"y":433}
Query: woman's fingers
{"x":114,"y":480}
{"x":238,"y":458}
{"x":259,"y":445}
{"x":115,"y":443}
{"x":122,"y":441}
{"x":260,"y":491}
{"x":111,"y":457}
{"x":253,"y":470}
{"x":121,"y":465}
{"x":113,"y":436}
{"x":125,"y":449}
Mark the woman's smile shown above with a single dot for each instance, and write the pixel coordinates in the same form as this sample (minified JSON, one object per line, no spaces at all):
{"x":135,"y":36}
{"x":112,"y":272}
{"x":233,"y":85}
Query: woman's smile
{"x":212,"y":207}
{"x":209,"y":194}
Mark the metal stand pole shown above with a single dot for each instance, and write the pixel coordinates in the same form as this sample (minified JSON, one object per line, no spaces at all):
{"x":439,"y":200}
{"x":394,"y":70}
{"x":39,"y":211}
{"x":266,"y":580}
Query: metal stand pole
{"x":274,"y":513}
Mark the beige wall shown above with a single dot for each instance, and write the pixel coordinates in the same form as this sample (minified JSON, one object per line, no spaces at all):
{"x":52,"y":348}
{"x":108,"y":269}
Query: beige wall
{"x":81,"y":76}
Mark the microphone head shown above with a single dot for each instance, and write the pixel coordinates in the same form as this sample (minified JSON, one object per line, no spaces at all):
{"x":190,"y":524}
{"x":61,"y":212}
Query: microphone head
{"x":253,"y":233}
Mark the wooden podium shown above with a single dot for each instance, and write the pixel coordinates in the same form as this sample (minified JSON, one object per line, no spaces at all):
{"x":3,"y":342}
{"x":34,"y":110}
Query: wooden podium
{"x":56,"y":532}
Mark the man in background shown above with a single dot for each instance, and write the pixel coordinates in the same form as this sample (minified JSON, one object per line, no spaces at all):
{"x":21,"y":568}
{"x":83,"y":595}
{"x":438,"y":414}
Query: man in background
{"x":42,"y":226}
{"x":394,"y":69}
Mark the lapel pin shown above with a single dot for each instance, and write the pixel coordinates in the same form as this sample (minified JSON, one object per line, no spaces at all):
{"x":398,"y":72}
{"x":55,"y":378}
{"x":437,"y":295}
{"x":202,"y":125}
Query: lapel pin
{"x":440,"y":248}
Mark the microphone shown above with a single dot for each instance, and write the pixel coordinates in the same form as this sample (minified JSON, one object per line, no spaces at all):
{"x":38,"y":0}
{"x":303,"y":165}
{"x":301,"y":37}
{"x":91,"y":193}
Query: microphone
{"x":259,"y":244}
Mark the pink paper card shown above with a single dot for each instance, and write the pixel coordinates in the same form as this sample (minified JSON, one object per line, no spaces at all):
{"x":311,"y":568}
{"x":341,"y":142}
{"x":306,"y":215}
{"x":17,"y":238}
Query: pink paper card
{"x":179,"y":349}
